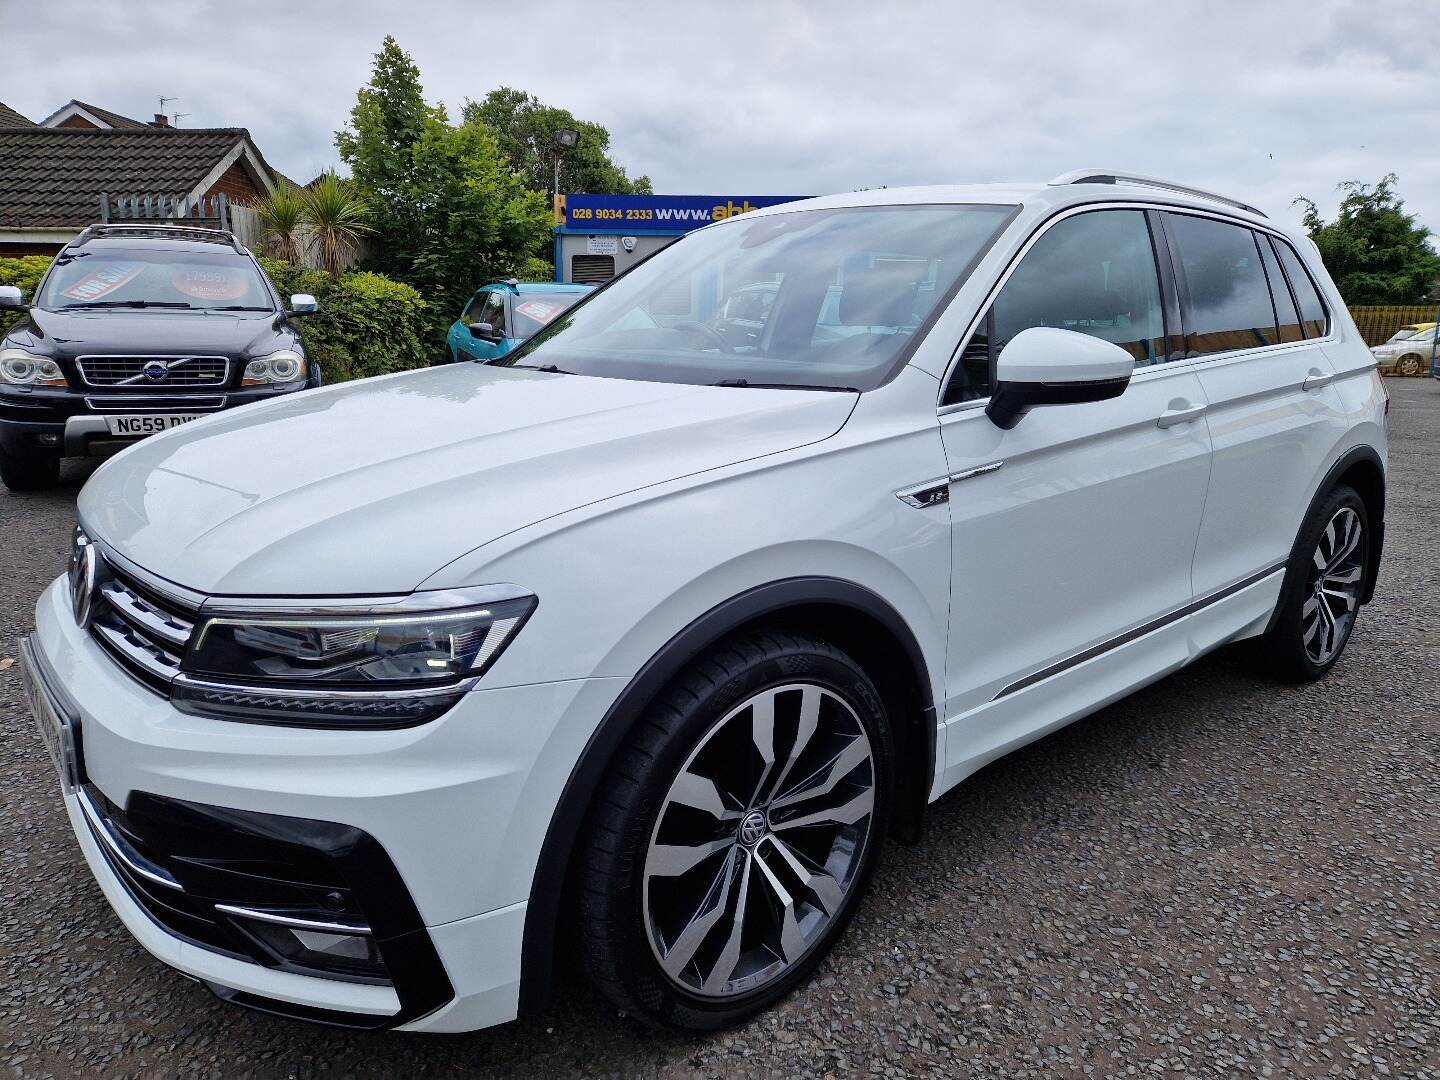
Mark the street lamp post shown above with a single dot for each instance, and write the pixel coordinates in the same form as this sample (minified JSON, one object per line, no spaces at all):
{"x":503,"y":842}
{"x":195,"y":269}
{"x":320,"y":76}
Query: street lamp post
{"x":565,"y":141}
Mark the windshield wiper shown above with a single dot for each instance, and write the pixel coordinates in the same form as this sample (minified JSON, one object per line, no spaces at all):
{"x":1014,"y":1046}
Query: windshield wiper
{"x":782,"y":385}
{"x":127,"y":303}
{"x":549,"y":369}
{"x":236,"y":307}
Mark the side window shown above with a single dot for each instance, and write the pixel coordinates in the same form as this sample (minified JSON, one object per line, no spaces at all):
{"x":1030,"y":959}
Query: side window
{"x":494,"y":311}
{"x":1285,"y":312}
{"x":1312,"y":309}
{"x":1093,"y":273}
{"x":471,"y":314}
{"x":1229,"y":297}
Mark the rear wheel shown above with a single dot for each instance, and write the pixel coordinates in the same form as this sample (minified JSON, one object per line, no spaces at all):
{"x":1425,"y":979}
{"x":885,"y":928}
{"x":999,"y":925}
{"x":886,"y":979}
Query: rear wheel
{"x":27,"y":471}
{"x":735,"y":832}
{"x":1321,"y":594}
{"x":1408,"y":365}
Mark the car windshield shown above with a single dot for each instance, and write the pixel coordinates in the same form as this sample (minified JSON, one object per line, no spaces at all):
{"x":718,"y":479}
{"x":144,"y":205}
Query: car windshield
{"x":823,"y":299}
{"x":144,"y":277}
{"x":534,"y":311}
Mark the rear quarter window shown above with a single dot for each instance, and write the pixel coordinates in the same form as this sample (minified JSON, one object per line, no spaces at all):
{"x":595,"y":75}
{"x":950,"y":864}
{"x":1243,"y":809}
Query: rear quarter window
{"x":1313,"y":315}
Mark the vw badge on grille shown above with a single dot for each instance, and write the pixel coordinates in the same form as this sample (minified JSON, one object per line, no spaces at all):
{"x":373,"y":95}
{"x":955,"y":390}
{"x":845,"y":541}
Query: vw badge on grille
{"x":82,"y":583}
{"x":155,"y":370}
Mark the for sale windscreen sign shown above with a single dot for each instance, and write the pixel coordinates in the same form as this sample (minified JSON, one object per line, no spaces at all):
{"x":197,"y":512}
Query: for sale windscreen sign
{"x":659,"y":213}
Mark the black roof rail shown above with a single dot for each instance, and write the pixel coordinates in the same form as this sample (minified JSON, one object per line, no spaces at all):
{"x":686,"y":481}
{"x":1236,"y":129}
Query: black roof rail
{"x":158,"y":231}
{"x":1101,"y":176}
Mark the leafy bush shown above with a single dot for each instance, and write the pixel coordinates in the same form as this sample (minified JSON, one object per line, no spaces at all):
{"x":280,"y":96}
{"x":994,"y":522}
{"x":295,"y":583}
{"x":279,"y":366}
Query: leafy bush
{"x":25,"y":272}
{"x":367,"y":324}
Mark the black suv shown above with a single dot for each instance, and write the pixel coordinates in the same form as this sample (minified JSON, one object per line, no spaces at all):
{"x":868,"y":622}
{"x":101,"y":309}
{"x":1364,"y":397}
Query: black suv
{"x":135,"y":329}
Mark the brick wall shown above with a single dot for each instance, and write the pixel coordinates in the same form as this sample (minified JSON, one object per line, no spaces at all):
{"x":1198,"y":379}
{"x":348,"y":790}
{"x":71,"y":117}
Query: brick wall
{"x":235,"y":184}
{"x":76,"y":122}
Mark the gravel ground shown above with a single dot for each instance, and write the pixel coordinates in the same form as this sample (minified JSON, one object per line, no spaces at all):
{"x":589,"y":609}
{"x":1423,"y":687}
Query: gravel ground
{"x":1215,"y":877}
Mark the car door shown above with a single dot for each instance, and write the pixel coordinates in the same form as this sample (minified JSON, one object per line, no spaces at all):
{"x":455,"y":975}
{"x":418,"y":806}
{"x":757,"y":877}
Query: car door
{"x":1077,"y":527}
{"x":1273,"y":415}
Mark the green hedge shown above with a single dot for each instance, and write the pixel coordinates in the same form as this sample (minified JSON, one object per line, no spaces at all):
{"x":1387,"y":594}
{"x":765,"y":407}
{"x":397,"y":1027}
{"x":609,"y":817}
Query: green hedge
{"x":366,"y":325}
{"x":25,"y":272}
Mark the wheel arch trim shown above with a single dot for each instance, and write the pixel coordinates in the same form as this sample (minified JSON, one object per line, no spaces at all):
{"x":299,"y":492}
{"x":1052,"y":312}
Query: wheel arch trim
{"x":541,"y":935}
{"x":1364,"y":455}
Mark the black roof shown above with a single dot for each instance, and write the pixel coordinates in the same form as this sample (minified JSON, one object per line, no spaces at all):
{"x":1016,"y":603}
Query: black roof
{"x":9,"y":118}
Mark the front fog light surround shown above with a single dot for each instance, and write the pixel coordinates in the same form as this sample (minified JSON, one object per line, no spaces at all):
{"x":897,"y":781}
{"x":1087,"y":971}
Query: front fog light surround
{"x":377,"y":669}
{"x":285,"y":366}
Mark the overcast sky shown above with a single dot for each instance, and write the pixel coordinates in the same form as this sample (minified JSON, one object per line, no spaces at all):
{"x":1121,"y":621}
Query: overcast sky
{"x":1262,"y":100}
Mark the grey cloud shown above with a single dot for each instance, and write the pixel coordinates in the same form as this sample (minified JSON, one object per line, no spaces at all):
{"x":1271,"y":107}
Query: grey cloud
{"x":1266,"y":101}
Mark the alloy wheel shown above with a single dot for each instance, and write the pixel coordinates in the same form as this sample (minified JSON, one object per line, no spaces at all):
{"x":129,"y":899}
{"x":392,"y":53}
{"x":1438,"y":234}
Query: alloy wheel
{"x":1332,"y":594}
{"x":759,"y":840}
{"x":1408,"y":365}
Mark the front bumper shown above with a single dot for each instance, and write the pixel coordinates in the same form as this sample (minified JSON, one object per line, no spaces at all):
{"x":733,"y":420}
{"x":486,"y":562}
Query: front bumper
{"x":73,"y":423}
{"x":457,"y":808}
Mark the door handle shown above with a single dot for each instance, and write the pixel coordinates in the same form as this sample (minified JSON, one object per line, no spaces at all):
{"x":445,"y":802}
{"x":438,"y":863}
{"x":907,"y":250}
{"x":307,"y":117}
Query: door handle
{"x":1180,"y":412}
{"x":1316,"y":379}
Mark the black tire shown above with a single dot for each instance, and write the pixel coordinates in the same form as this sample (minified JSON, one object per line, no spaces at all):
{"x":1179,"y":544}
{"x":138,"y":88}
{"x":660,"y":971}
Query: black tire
{"x":1282,"y":652}
{"x":29,"y":472}
{"x":619,"y":956}
{"x":1409,"y":365}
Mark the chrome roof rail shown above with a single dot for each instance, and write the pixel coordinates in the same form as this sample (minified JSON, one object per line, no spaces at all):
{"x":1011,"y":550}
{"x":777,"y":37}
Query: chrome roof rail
{"x":158,"y":230}
{"x":1099,"y":176}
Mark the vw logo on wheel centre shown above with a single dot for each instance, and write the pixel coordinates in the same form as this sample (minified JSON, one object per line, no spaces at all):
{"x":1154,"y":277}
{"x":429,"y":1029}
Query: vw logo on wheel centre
{"x":753,"y":826}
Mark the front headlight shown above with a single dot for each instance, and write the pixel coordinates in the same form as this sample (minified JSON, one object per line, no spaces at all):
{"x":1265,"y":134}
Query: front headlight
{"x":20,"y":368}
{"x":367,"y":669}
{"x":285,"y":366}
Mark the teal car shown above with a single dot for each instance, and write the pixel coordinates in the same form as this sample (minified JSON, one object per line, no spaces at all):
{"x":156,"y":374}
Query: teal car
{"x":501,"y":316}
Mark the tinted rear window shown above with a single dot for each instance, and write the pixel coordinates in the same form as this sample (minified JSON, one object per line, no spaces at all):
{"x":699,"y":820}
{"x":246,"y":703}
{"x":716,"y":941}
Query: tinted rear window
{"x":1229,"y":297}
{"x":1312,"y":308}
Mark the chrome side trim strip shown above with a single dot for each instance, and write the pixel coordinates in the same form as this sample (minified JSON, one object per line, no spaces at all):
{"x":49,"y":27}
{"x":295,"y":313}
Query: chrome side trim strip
{"x":979,"y":470}
{"x":297,"y":923}
{"x":931,"y":493}
{"x":136,"y":863}
{"x":937,"y":492}
{"x":1138,"y":632}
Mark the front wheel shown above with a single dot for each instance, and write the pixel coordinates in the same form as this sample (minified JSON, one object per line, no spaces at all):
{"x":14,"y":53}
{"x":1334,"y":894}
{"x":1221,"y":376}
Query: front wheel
{"x":1408,"y":365}
{"x":1320,"y":597}
{"x":29,"y":471}
{"x":735,"y":832}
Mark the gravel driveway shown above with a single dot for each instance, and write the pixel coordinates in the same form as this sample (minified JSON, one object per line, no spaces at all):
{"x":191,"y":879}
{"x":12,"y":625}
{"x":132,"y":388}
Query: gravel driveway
{"x":1215,"y":877}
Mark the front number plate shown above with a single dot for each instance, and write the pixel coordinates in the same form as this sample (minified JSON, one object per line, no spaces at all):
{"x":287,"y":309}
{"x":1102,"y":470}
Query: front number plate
{"x":56,"y":732}
{"x":148,"y":423}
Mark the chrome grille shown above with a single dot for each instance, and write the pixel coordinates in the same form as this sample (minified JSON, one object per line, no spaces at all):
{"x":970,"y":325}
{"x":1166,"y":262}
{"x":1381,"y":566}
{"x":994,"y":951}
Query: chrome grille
{"x":131,"y":370}
{"x":145,"y":632}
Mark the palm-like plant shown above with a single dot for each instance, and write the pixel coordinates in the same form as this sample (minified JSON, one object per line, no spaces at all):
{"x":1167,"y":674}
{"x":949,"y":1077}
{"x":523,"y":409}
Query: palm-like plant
{"x":338,"y":218}
{"x":282,"y":214}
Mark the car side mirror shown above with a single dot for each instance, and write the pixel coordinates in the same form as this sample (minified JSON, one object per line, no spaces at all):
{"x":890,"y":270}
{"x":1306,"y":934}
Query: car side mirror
{"x":1046,"y":365}
{"x":484,"y":331}
{"x":303,"y":304}
{"x":11,"y":297}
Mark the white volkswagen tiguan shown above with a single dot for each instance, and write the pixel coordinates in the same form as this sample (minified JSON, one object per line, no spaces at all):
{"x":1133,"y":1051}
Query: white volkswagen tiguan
{"x":372,"y":702}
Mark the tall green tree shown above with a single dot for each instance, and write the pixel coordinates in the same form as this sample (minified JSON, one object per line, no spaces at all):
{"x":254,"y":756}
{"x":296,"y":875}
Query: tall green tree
{"x":448,"y":210}
{"x":526,"y":130}
{"x":1376,"y":252}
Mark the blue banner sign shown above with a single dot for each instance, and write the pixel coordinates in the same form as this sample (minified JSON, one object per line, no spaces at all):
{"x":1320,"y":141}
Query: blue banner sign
{"x":659,"y":213}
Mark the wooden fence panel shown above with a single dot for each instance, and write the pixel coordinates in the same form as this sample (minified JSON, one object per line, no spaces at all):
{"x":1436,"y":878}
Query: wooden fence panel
{"x":1377,"y":323}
